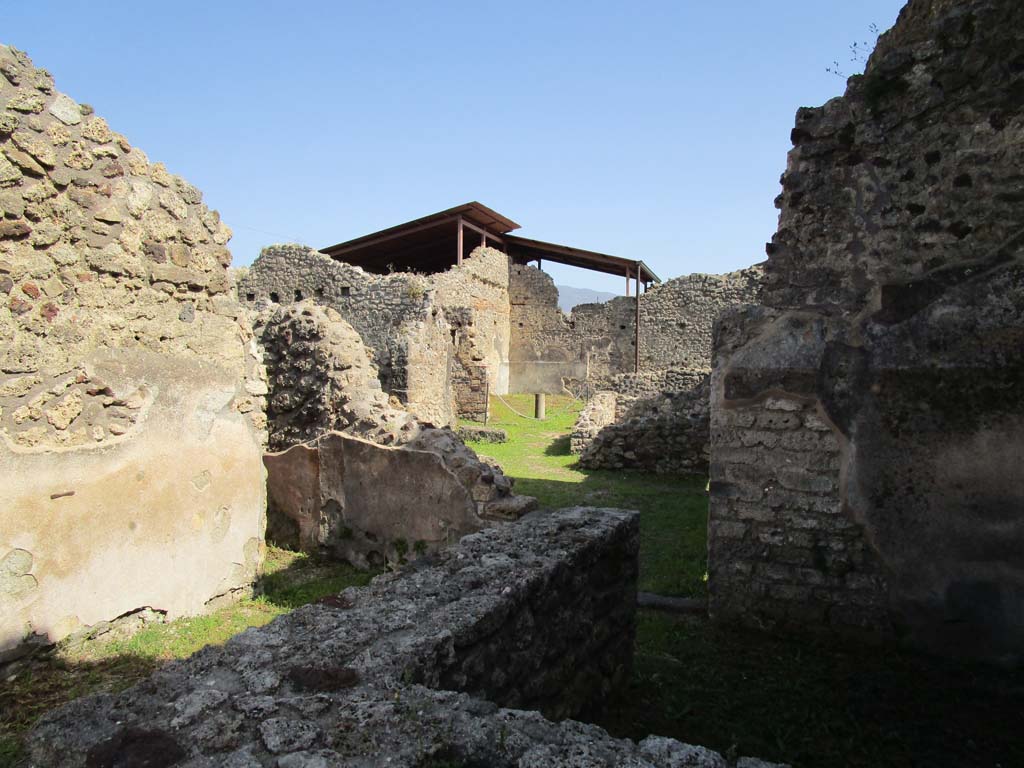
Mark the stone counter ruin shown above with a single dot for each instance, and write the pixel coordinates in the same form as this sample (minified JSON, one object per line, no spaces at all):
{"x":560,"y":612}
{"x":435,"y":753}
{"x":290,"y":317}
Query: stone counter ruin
{"x":457,"y":662}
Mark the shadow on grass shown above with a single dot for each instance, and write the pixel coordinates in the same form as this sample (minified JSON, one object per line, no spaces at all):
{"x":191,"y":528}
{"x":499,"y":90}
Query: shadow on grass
{"x":816,"y":702}
{"x":558,"y":447}
{"x":31,"y":687}
{"x":46,"y":682}
{"x":673,"y":521}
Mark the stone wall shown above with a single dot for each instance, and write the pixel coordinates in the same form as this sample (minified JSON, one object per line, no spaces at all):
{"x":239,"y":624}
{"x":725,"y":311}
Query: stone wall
{"x":677,"y":317}
{"x":130,"y":395}
{"x":391,"y":313}
{"x":666,"y":433}
{"x":346,"y":459}
{"x":867,"y":427}
{"x":597,"y":414}
{"x":411,"y":671}
{"x":549,"y":348}
{"x":474,"y":296}
{"x":438,"y":340}
{"x":631,"y":387}
{"x":351,"y":499}
{"x":596,"y":343}
{"x":321,"y":378}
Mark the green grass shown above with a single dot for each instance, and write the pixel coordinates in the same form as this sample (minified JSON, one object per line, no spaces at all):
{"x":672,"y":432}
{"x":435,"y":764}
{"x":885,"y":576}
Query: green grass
{"x":34,"y":687}
{"x":673,"y":509}
{"x":815,"y":702}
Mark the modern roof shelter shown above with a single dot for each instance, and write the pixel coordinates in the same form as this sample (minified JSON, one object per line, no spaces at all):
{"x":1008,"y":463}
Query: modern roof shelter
{"x":441,"y":240}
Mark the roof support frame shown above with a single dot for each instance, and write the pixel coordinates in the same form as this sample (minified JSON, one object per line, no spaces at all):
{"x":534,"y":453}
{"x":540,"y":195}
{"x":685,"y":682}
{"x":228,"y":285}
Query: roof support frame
{"x":340,"y":251}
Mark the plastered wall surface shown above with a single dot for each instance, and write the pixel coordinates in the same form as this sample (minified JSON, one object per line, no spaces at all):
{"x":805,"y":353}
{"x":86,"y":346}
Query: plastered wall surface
{"x":131,"y":423}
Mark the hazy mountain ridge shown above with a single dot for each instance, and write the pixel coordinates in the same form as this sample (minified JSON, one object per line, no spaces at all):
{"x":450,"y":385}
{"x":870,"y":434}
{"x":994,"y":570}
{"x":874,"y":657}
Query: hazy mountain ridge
{"x":569,"y":297}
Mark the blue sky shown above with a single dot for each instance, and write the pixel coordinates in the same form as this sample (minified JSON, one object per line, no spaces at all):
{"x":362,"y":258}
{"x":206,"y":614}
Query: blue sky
{"x":649,"y":130}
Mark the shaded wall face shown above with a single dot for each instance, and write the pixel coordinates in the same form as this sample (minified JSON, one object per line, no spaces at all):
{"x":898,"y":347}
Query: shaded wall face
{"x":896,"y":316}
{"x":130,"y":398}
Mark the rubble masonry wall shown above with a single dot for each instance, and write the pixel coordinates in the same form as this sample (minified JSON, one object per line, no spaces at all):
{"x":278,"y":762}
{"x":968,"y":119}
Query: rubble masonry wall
{"x":868,"y":421}
{"x":437,"y":663}
{"x":436,"y":339}
{"x":131,"y":398}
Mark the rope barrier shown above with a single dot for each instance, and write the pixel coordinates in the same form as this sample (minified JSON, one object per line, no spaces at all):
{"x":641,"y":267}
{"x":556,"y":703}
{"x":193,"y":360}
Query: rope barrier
{"x":517,"y":413}
{"x":534,"y":418}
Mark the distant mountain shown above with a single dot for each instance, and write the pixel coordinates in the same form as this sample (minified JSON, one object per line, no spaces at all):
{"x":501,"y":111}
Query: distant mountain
{"x":569,"y":297}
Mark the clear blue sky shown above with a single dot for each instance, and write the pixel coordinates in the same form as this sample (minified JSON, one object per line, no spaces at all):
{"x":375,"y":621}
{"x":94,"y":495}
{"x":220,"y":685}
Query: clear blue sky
{"x":650,"y":130}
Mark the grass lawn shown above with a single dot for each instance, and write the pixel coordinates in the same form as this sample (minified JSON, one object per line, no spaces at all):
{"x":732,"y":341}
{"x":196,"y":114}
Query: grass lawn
{"x":673,"y":523}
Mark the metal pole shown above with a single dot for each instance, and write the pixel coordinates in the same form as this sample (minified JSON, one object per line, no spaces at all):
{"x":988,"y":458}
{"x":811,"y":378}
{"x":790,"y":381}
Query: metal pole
{"x":627,"y":281}
{"x":458,"y":256}
{"x":487,"y":400}
{"x":636,"y":342}
{"x":539,"y":406}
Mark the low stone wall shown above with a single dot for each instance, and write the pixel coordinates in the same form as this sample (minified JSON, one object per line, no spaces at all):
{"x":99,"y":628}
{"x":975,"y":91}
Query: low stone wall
{"x":597,"y":414}
{"x":667,"y":433}
{"x":482,"y":434}
{"x":338,"y":495}
{"x":409,"y":671}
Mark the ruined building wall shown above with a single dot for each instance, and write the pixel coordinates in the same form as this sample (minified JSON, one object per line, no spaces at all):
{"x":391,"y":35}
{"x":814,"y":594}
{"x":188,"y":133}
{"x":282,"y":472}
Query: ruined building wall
{"x":346,"y":459}
{"x":321,"y":378}
{"x":437,"y":340}
{"x":130,"y":395}
{"x":548,"y":347}
{"x":475,"y":299}
{"x":596,"y":342}
{"x":867,"y":422}
{"x":677,"y":317}
{"x":393,"y":314}
{"x":661,"y":414}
